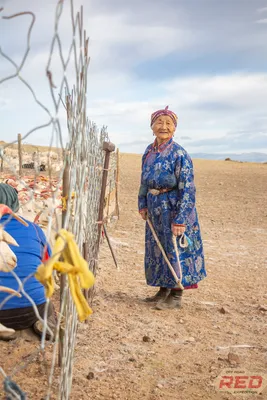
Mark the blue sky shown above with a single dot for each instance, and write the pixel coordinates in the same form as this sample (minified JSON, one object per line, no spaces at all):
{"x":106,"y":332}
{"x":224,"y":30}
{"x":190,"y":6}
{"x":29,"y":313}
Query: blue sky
{"x":206,"y":59}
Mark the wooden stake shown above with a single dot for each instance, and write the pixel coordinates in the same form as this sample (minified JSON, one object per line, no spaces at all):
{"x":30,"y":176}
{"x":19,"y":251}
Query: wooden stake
{"x":109,"y":193}
{"x":110,"y":247}
{"x":108,"y":147}
{"x":65,"y":192}
{"x":20,"y":155}
{"x":117,"y":184}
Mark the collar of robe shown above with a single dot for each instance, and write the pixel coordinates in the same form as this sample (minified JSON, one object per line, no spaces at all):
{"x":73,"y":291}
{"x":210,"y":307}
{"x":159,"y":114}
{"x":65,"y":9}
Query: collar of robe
{"x":160,"y":147}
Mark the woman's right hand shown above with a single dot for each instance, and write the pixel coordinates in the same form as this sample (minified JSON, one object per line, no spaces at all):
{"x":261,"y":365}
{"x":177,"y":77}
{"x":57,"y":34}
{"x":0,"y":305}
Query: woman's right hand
{"x":143,"y":214}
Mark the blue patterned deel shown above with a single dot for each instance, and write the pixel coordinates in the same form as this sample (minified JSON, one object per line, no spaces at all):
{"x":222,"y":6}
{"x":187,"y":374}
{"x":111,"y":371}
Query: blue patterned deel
{"x":169,"y":166}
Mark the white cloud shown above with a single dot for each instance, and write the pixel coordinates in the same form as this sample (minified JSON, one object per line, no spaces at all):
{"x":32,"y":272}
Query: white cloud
{"x":262,"y":21}
{"x":262,"y":10}
{"x":144,"y":41}
{"x":236,"y":89}
{"x":209,"y":106}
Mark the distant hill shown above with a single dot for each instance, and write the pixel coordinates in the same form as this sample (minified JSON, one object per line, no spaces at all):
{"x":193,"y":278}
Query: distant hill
{"x":249,"y":157}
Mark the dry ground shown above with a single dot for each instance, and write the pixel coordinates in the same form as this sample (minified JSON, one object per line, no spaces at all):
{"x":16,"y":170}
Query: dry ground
{"x":183,"y":352}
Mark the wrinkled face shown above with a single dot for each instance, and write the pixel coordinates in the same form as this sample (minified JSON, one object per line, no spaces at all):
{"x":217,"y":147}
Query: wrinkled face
{"x":163,"y":128}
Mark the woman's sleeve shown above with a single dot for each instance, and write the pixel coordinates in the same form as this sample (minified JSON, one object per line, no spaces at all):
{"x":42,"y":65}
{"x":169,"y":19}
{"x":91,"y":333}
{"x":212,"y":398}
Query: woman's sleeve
{"x":184,"y":173}
{"x":142,"y":196}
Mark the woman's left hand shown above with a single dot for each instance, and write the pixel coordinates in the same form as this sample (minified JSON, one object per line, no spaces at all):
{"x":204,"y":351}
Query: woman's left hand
{"x":178,"y":230}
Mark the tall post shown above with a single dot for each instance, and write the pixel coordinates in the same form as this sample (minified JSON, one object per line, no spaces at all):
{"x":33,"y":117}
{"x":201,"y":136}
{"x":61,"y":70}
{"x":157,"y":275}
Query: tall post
{"x":65,"y":192}
{"x":118,"y":184}
{"x":109,"y":194}
{"x":20,"y":155}
{"x":85,"y":256}
{"x":108,"y":147}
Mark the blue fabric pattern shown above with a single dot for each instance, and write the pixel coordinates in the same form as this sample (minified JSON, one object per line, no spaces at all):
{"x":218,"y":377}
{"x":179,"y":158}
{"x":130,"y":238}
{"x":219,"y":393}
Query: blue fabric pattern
{"x":170,"y":166}
{"x":31,"y":241}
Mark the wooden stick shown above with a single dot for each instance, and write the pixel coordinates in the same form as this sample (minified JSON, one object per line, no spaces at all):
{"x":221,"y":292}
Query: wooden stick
{"x":110,"y":247}
{"x":177,"y":280}
{"x":117,"y":184}
{"x":20,"y":154}
{"x":108,"y":205}
{"x":85,"y":256}
{"x":108,"y":148}
{"x":65,"y":192}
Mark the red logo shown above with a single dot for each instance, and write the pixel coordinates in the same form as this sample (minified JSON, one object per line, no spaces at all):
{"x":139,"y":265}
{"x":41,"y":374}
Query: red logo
{"x":237,"y":382}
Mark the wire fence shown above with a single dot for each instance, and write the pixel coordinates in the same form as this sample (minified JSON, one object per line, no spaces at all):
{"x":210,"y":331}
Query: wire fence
{"x":66,"y":185}
{"x":111,"y":205}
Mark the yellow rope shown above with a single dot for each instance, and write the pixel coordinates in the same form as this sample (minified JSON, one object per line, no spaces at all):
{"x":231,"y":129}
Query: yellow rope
{"x":74,"y":265}
{"x":65,"y":199}
{"x":64,"y":203}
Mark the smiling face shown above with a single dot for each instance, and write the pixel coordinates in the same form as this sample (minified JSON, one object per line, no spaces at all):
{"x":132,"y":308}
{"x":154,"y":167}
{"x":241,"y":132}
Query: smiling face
{"x":163,"y":128}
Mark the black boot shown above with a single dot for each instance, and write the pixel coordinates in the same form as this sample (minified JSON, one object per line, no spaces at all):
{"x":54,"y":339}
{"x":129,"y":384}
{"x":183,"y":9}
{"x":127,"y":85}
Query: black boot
{"x":51,"y":322}
{"x":174,"y":300}
{"x":159,"y":296}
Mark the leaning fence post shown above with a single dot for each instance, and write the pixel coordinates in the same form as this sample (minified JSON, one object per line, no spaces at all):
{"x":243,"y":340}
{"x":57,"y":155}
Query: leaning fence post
{"x":20,"y":155}
{"x":108,"y":147}
{"x":65,"y":192}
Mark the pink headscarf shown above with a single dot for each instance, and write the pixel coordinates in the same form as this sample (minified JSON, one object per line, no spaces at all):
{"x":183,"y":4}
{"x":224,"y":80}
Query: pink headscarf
{"x":166,"y":111}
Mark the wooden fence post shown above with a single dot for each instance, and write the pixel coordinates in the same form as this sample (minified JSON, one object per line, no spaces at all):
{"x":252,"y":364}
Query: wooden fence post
{"x":20,"y":155}
{"x":65,"y":192}
{"x":108,"y":147}
{"x":118,"y":184}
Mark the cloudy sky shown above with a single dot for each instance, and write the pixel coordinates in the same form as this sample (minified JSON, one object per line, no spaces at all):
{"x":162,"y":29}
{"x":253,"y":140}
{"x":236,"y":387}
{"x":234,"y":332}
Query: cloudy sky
{"x":206,"y":59}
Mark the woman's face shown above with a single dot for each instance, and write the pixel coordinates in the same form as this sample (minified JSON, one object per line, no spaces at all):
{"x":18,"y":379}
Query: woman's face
{"x":163,"y":128}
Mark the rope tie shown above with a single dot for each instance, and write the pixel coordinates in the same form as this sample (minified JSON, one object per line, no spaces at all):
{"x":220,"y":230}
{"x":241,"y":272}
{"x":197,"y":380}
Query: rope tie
{"x":174,"y":241}
{"x":64,"y":203}
{"x":74,"y":266}
{"x":64,"y":200}
{"x":185,"y":242}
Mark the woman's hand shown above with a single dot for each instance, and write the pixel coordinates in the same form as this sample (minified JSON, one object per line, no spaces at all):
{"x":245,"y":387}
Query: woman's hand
{"x":178,"y":230}
{"x":143,"y":214}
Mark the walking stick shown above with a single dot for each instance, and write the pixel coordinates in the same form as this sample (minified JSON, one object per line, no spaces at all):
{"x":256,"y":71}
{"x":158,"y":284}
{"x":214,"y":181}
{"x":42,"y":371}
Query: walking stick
{"x":177,"y":280}
{"x":110,"y":247}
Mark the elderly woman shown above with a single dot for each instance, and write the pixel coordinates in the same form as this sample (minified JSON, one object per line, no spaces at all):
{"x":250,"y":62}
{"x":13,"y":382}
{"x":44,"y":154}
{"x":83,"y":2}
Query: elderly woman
{"x":167,"y":167}
{"x":18,"y":313}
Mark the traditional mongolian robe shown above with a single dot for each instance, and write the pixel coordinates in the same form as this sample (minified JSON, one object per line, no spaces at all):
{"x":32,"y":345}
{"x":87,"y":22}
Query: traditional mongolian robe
{"x":168,"y":166}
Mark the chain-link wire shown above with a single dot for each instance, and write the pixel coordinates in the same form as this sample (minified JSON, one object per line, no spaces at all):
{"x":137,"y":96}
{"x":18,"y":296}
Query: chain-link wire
{"x":111,"y":206}
{"x":40,"y":186}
